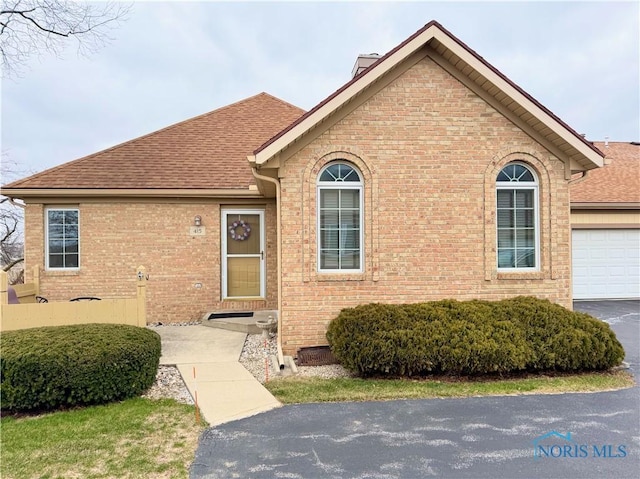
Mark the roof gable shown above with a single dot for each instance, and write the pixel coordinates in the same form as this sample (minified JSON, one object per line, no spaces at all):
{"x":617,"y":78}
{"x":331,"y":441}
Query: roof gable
{"x":460,"y":60}
{"x":206,"y":152}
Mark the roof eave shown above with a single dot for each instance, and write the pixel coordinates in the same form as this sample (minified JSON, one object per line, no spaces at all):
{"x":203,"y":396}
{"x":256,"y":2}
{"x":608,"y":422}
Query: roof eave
{"x":587,"y":152}
{"x":601,"y":205}
{"x":129,"y":193}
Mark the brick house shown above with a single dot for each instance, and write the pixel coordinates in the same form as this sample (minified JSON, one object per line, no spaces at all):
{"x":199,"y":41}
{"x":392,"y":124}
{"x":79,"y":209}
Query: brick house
{"x":429,"y":175}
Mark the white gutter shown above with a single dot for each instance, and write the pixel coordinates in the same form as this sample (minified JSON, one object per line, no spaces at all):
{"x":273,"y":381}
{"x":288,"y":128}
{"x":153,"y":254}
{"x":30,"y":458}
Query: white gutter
{"x":279,"y":260}
{"x":251,"y":192}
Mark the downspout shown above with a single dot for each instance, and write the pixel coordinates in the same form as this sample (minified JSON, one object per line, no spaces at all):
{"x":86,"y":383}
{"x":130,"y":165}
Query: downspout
{"x":258,"y":176}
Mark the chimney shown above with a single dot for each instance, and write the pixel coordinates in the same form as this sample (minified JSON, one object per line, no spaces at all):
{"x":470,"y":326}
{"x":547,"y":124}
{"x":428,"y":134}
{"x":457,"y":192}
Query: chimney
{"x":364,"y":61}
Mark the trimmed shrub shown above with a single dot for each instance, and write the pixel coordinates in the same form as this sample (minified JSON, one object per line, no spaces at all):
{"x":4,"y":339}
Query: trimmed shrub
{"x":470,"y":338}
{"x":54,"y":367}
{"x":560,"y":339}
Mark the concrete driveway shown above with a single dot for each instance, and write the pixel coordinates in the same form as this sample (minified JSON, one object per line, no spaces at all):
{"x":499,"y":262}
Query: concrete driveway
{"x":472,"y":437}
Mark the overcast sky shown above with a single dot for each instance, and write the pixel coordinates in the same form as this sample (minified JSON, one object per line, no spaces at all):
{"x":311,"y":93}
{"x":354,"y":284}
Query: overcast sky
{"x":173,"y":60}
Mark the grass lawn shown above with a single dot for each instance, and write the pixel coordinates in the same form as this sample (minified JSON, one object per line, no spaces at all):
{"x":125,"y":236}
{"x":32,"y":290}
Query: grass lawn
{"x":303,"y":390}
{"x":137,"y":438}
{"x":143,"y":438}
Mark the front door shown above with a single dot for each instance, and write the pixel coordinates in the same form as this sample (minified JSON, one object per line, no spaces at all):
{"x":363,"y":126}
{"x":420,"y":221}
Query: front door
{"x":243,"y":254}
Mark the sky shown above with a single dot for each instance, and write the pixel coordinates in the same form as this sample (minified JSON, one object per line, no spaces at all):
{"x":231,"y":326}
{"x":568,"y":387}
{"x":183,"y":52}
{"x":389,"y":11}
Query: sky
{"x":170,"y":61}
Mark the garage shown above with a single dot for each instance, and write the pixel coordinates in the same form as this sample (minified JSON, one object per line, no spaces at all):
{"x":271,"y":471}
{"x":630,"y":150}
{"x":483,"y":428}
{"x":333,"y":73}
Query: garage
{"x":605,"y":222}
{"x":606,"y":263}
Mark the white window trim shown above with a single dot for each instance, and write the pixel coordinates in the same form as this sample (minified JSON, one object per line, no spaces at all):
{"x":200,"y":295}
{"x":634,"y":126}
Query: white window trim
{"x":334,"y":185}
{"x":516,"y":185}
{"x":46,"y":238}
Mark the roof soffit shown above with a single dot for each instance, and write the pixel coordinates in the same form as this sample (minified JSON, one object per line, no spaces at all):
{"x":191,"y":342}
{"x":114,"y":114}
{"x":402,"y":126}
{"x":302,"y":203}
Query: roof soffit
{"x":51,"y":193}
{"x":510,"y":96}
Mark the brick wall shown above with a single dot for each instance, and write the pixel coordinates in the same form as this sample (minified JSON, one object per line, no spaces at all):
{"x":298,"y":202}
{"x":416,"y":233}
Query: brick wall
{"x":429,"y":150}
{"x":117,"y":237}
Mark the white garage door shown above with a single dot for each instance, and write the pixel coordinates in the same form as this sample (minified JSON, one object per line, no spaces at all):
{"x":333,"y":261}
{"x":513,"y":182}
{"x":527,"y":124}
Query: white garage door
{"x":606,"y":264}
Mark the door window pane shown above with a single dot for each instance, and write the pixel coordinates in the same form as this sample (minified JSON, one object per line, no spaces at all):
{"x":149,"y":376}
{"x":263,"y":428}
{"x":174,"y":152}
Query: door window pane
{"x":243,"y":234}
{"x":243,"y":277}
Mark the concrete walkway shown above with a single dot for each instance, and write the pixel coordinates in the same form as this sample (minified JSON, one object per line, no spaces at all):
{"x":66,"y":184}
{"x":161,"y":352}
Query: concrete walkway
{"x":225,"y":389}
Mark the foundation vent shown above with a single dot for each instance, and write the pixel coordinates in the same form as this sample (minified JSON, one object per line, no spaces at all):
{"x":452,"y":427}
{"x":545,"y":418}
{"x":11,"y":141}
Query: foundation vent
{"x":315,"y":356}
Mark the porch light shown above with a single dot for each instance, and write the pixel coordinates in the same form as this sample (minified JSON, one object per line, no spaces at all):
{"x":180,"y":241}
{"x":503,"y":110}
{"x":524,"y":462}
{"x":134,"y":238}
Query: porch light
{"x":197,"y":221}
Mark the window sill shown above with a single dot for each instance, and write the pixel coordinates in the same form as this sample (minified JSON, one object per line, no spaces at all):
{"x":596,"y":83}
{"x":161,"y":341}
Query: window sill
{"x":62,"y":272}
{"x":245,"y":298}
{"x":520,"y":275}
{"x":334,"y":277}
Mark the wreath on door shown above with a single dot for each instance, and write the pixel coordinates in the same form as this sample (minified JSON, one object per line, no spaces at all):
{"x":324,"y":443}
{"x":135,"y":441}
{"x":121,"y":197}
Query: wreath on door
{"x":239,"y":230}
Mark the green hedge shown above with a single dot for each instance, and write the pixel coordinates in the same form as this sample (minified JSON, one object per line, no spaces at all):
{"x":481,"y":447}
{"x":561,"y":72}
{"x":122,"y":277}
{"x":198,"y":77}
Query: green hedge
{"x":471,"y":337}
{"x":53,"y":367}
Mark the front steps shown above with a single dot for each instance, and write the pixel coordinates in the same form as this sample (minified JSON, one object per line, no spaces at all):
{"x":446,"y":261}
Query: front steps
{"x":241,"y":321}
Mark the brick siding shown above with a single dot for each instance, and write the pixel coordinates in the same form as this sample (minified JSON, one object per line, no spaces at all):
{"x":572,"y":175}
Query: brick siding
{"x":429,"y":150}
{"x":116,"y":238}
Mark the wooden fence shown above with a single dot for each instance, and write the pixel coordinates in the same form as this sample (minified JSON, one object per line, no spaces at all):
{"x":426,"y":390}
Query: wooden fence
{"x":31,"y":314}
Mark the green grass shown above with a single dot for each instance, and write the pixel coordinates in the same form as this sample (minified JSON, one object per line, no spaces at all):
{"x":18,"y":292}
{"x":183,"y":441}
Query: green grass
{"x":305,"y":390}
{"x":141,"y":438}
{"x":136,"y":438}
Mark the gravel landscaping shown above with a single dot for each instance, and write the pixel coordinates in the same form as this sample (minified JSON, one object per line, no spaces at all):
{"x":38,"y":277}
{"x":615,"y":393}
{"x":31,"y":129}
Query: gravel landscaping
{"x":253,"y":359}
{"x":169,"y":383}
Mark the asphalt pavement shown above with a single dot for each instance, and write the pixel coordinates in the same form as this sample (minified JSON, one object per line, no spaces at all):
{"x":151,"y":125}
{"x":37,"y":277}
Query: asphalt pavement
{"x":582,"y":436}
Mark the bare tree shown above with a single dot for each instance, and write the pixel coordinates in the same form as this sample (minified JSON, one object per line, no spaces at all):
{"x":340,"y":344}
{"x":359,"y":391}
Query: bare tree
{"x":33,"y":27}
{"x":11,"y":245}
{"x":11,"y":225}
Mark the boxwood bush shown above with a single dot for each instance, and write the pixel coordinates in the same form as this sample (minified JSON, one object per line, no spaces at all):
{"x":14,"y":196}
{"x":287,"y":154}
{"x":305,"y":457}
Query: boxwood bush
{"x":54,"y":367}
{"x":470,"y":338}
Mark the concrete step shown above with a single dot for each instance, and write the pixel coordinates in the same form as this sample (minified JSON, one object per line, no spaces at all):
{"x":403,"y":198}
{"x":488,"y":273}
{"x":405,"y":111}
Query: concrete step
{"x":242,"y":324}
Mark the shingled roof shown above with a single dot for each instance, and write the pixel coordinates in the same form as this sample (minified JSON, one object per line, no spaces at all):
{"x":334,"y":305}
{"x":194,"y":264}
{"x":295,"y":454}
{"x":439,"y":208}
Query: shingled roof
{"x":617,"y":182}
{"x":205,"y":152}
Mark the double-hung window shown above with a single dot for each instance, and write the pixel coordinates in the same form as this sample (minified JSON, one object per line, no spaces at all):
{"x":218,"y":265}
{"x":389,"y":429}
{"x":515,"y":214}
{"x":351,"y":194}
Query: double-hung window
{"x":62,"y":238}
{"x":517,"y":219}
{"x":340,"y":219}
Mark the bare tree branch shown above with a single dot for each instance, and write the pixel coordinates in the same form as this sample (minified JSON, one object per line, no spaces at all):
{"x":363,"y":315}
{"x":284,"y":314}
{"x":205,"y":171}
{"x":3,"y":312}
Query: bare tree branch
{"x":36,"y":27}
{"x":11,"y":225}
{"x":9,"y":230}
{"x":12,"y":264}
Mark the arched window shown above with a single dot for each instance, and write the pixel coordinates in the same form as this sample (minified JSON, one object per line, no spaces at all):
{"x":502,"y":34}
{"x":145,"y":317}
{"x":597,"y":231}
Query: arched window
{"x":517,"y":218}
{"x":340,"y":219}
